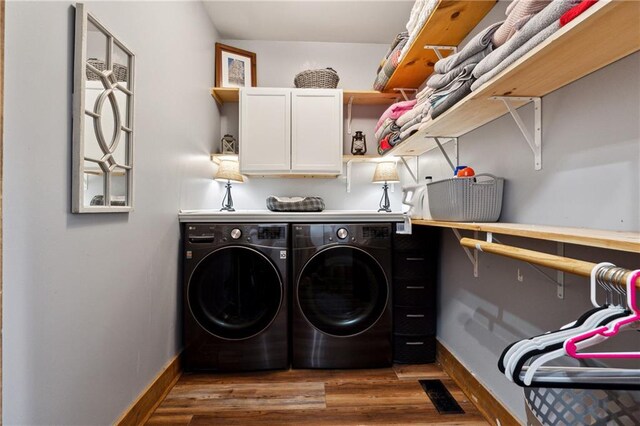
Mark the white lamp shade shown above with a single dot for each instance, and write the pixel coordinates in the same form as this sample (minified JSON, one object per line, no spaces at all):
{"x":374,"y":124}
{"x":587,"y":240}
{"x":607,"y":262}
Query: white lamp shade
{"x":229,"y":170}
{"x":386,"y":171}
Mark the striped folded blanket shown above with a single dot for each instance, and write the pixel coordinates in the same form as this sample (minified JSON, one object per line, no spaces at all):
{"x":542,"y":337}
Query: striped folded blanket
{"x":295,"y":204}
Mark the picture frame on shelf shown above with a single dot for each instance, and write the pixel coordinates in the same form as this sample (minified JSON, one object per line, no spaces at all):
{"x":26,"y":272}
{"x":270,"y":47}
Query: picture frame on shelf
{"x":235,"y":67}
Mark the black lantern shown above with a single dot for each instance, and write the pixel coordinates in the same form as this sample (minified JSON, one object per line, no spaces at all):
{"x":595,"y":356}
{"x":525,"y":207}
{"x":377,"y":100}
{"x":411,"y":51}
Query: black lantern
{"x":358,"y":143}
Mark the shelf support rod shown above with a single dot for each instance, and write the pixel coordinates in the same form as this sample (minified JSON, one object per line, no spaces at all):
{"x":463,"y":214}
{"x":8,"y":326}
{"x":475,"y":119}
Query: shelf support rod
{"x":414,"y":176}
{"x":444,"y":153}
{"x":535,"y":141}
{"x":349,"y":105}
{"x":403,"y":91}
{"x":473,"y":257}
{"x":348,"y":166}
{"x":437,"y":49}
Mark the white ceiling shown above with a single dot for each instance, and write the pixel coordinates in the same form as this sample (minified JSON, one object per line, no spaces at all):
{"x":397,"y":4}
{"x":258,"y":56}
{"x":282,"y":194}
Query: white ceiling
{"x":350,"y":21}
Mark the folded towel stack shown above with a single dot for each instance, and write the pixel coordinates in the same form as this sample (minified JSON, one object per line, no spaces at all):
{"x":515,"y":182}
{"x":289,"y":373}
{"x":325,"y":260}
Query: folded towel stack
{"x":390,"y":62}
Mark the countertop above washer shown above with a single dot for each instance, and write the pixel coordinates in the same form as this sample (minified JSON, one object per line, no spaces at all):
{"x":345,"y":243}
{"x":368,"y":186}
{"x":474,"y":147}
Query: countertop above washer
{"x":325,"y":216}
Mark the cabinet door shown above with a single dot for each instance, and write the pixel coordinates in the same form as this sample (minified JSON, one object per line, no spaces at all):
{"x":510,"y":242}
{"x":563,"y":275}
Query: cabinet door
{"x":265,"y":130}
{"x":316,"y":131}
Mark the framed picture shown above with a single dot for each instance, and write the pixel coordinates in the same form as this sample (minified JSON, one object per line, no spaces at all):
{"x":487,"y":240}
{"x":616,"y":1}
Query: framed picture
{"x":235,"y":67}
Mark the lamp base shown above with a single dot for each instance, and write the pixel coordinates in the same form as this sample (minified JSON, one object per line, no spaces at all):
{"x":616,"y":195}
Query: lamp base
{"x":384,"y":210}
{"x":227,"y":209}
{"x":227,"y":201}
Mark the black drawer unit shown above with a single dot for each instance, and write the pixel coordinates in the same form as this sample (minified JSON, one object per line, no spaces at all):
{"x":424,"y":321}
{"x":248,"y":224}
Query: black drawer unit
{"x":414,"y":275}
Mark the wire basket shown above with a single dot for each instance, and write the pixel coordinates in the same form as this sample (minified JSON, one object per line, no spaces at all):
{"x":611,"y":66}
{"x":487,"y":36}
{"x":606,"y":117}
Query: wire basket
{"x":119,"y":70}
{"x":568,"y":407}
{"x":317,"y":79}
{"x":466,"y":199}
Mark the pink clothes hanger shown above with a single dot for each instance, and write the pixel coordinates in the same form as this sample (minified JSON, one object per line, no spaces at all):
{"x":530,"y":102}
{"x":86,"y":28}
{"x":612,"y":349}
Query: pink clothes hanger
{"x":600,"y":334}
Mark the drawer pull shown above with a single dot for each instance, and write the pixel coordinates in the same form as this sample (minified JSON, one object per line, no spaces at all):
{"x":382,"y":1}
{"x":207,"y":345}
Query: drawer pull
{"x":415,"y":258}
{"x":414,"y":343}
{"x":415,"y":316}
{"x":415,"y":287}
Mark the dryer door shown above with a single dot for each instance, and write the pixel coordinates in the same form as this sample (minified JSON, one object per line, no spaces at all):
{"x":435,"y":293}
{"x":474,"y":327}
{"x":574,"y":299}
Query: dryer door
{"x":342,"y":291}
{"x":235,"y":292}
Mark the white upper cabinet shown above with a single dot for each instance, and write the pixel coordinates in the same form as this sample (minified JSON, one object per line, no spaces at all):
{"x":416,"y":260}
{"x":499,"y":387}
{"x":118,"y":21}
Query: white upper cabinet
{"x":290,"y":131}
{"x":316,"y":131}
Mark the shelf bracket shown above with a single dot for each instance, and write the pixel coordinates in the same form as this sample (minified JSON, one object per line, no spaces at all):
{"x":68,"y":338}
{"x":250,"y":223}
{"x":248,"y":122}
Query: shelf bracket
{"x":348,"y":166}
{"x":444,"y":153}
{"x":403,"y":91}
{"x":473,"y":257}
{"x":414,"y":176}
{"x":535,"y":141}
{"x":438,"y":49}
{"x":349,"y":106}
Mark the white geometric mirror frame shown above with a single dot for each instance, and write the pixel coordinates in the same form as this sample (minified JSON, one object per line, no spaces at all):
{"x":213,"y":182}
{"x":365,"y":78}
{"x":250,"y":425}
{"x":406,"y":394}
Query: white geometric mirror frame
{"x":103,"y":105}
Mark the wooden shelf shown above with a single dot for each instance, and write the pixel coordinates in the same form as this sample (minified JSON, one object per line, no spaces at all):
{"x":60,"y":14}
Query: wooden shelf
{"x":448,"y":25}
{"x":605,"y":33}
{"x":216,"y":157}
{"x":614,"y":240}
{"x":360,"y":97}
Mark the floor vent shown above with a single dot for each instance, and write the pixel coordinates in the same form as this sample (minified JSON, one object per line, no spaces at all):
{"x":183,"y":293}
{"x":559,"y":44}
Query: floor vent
{"x":440,"y":396}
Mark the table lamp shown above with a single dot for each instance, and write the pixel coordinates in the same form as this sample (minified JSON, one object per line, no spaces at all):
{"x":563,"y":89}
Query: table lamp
{"x":386,"y":172}
{"x":229,"y":170}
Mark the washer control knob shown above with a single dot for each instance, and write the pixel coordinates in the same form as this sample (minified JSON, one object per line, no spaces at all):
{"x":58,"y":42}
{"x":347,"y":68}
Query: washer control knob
{"x":342,"y":233}
{"x":236,"y":233}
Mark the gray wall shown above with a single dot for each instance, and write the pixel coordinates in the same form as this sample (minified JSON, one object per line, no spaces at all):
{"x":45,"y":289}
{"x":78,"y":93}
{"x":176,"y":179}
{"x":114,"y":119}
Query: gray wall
{"x":91,"y":301}
{"x":277,"y":64}
{"x":591,"y":158}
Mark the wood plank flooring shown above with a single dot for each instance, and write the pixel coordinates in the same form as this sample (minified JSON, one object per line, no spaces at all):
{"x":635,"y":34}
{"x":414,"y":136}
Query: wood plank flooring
{"x":387,"y":396}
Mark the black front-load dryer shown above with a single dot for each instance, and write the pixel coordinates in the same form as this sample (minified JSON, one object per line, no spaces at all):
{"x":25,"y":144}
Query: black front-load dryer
{"x":235,"y":297}
{"x":341,"y":295}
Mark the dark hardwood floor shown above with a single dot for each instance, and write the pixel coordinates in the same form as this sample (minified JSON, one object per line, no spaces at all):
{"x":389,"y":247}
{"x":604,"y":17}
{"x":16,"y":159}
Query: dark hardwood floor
{"x":389,"y":396}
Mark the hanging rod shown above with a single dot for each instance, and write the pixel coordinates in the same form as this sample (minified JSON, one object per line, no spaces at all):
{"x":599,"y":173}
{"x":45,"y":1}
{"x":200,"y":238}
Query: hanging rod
{"x":566,"y":264}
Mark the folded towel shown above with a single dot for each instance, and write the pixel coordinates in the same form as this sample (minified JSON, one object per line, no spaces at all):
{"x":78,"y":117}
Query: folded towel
{"x":438,"y":96}
{"x":395,"y":110}
{"x":386,"y":123}
{"x":417,"y":119}
{"x":295,"y":204}
{"x":520,"y":52}
{"x":518,"y":13}
{"x":423,"y":17}
{"x":409,"y":131}
{"x":438,"y":81}
{"x":415,"y":13}
{"x":394,"y":138}
{"x":410,"y":115}
{"x":384,"y":131}
{"x":388,"y":68}
{"x":575,"y":11}
{"x":453,"y":98}
{"x":475,"y":45}
{"x":542,"y":20}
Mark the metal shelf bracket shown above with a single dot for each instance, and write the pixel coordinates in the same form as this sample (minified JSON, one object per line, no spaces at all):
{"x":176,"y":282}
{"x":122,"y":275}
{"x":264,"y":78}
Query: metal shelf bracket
{"x":535,"y":141}
{"x":473,"y":257}
{"x":349,"y":106}
{"x":438,"y":49}
{"x":444,"y":153}
{"x":414,"y":176}
{"x":403,"y":91}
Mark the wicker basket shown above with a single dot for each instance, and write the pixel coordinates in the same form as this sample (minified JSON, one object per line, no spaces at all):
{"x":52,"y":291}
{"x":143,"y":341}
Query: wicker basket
{"x":119,"y":71}
{"x":317,"y":79}
{"x":466,"y":199}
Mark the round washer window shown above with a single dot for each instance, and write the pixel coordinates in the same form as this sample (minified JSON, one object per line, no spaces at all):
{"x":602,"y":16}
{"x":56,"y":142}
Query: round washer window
{"x":235,"y":293}
{"x":342,"y":291}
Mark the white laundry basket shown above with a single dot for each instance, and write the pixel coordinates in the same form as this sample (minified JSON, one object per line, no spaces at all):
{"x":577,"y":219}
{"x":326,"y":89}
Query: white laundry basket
{"x":466,"y":199}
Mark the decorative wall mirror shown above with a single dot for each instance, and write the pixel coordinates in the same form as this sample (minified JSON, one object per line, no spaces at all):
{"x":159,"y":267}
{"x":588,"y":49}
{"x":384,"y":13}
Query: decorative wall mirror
{"x":102,"y":176}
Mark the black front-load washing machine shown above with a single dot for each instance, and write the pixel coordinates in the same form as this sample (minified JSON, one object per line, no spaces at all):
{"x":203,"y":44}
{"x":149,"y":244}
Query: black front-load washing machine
{"x":235,"y":296}
{"x":341,"y":295}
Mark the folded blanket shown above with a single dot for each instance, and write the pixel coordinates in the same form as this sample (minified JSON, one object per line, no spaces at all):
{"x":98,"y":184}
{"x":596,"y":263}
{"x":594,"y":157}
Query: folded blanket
{"x":475,"y":45}
{"x":415,"y":13}
{"x":394,"y":138}
{"x":438,"y":96}
{"x":389,"y":67}
{"x":542,"y":20}
{"x":410,"y":115}
{"x":425,"y":92}
{"x":395,"y":110}
{"x":417,"y":119}
{"x":392,"y":47}
{"x":385,"y":124}
{"x":388,"y":130}
{"x":576,"y":11}
{"x":520,"y":52}
{"x":423,"y":17}
{"x":384,"y":146}
{"x":453,"y":98}
{"x":409,"y":131}
{"x":438,"y":81}
{"x":518,"y":13}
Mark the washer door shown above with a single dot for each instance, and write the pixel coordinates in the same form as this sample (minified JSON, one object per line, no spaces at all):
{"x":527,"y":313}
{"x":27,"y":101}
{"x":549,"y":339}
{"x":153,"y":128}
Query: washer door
{"x":235,"y":292}
{"x":342,"y":291}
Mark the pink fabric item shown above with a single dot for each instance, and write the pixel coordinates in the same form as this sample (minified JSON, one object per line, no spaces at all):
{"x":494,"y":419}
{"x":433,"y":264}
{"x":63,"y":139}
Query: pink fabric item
{"x":518,"y":13}
{"x":575,"y":11}
{"x":395,"y":111}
